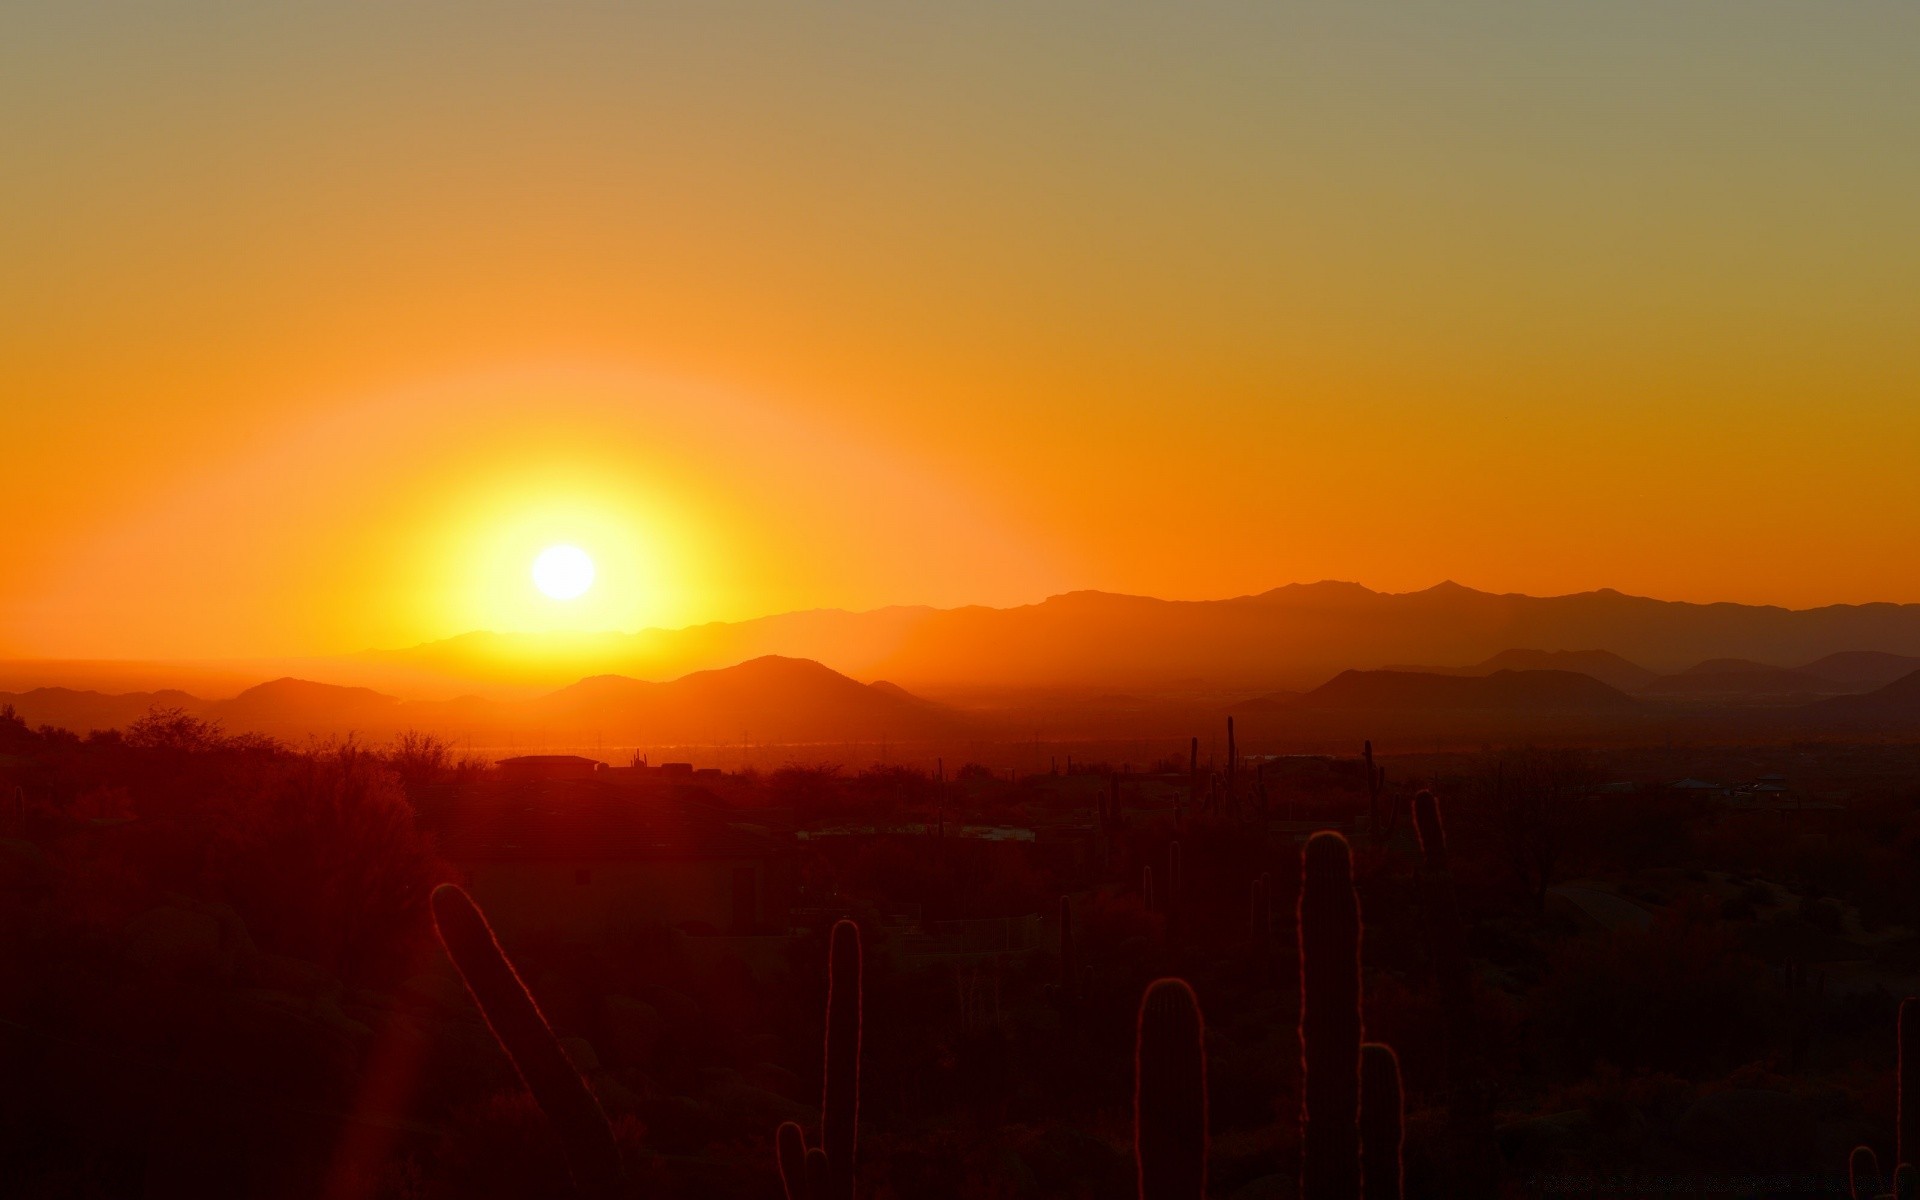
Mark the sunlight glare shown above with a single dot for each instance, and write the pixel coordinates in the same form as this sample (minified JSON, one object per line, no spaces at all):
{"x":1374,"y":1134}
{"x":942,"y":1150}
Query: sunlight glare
{"x":563,"y":572}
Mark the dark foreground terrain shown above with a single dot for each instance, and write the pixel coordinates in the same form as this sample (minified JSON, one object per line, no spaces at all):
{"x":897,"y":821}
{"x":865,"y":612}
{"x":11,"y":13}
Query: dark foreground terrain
{"x":1638,"y":971}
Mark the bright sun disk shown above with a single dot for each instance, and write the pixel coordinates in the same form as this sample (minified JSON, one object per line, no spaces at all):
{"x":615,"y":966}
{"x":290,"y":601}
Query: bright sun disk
{"x":563,"y":572}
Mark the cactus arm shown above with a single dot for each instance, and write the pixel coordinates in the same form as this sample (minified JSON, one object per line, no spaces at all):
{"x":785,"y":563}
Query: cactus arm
{"x":818,"y":1174}
{"x":1381,"y":1120}
{"x":790,"y":1151}
{"x":1863,"y":1174}
{"x":516,"y":1022}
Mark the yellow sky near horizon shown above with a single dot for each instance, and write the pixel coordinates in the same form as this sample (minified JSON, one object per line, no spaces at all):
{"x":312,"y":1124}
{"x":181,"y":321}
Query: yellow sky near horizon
{"x":317,"y":321}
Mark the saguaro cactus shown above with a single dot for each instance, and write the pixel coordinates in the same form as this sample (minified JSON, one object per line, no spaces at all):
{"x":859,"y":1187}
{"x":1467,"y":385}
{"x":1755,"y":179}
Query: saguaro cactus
{"x":1146,"y":886}
{"x":1233,"y":757}
{"x":1376,"y":782}
{"x":1329,"y":916}
{"x":826,"y":1171}
{"x":1381,"y":1109}
{"x":1469,"y":1110}
{"x":1071,"y":980}
{"x":517,"y":1023}
{"x":1433,"y":837}
{"x":1170,"y":1094}
{"x":1066,"y":942}
{"x":1907,"y":1114}
{"x":1445,"y":935}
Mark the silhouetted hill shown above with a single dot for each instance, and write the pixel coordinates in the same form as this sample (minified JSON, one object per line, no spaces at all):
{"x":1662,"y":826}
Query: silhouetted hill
{"x":288,"y":707}
{"x":1609,"y":668}
{"x":81,"y":711}
{"x":1734,"y":680}
{"x":1604,"y":665}
{"x":1899,"y":700}
{"x":769,"y":699}
{"x":1517,"y":692}
{"x":1290,"y":637}
{"x":885,"y":688}
{"x":1863,"y":669}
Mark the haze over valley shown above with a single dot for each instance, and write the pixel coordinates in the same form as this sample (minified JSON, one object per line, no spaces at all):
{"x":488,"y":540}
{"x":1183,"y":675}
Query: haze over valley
{"x":1304,"y":667}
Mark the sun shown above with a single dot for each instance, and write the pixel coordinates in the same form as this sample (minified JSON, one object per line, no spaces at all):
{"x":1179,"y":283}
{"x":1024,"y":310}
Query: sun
{"x":563,"y":572}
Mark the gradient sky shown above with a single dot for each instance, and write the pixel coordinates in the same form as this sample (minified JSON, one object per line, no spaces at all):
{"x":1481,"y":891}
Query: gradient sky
{"x":318,"y":320}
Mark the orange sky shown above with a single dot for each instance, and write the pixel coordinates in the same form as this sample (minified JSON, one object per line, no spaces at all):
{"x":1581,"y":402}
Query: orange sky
{"x":317,"y":321}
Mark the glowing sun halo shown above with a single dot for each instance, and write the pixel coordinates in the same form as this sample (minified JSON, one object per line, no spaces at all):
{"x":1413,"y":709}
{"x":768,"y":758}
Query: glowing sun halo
{"x":563,"y":572}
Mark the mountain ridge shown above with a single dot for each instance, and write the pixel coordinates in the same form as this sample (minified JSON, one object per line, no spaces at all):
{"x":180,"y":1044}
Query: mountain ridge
{"x":1294,"y":636}
{"x":770,"y":699}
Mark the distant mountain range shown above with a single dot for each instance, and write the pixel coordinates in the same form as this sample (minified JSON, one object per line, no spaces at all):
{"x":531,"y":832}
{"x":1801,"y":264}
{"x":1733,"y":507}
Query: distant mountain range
{"x":770,"y":699}
{"x":1299,"y":658}
{"x":1294,"y":637}
{"x":1896,"y":705}
{"x":1607,"y":667}
{"x":1506,"y":692}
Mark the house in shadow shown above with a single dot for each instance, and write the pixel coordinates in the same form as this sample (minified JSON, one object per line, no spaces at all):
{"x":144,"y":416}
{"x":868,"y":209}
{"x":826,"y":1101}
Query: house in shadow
{"x":529,"y":768}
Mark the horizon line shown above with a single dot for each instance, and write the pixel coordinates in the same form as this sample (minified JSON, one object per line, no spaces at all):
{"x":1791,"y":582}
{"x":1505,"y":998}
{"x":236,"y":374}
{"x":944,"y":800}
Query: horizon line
{"x":1445,"y":585}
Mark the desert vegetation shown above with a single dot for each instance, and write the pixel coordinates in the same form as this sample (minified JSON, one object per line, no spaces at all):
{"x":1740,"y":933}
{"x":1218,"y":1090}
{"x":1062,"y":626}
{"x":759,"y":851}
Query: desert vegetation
{"x":235,"y":967}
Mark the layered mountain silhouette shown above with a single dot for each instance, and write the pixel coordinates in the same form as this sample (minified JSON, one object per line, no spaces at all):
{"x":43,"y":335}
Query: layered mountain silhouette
{"x":1294,"y":637}
{"x":1898,"y":701}
{"x":1607,"y":667}
{"x":770,"y":699}
{"x":1432,"y":708}
{"x":1093,"y":664}
{"x":1863,"y":669}
{"x":1740,"y":679}
{"x":81,"y":710}
{"x":1510,"y":692}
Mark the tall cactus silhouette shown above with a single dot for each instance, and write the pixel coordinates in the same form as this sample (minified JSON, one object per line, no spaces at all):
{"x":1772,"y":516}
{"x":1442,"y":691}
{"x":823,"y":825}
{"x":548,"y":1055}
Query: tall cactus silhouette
{"x":516,"y":1022}
{"x":1146,"y":887}
{"x":1445,"y":934}
{"x":1071,"y":988}
{"x":1863,"y":1168}
{"x":1381,"y":1112}
{"x":1373,"y":795}
{"x":1376,"y":782}
{"x":1907,"y":1112}
{"x":1170,"y":1094}
{"x":1433,"y":837}
{"x":1468,"y":1089}
{"x":1067,"y":967}
{"x":826,"y":1171}
{"x":1233,"y":758}
{"x":1329,"y":916}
